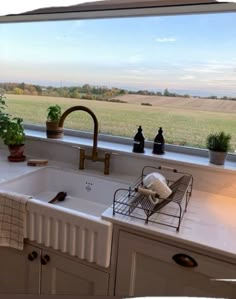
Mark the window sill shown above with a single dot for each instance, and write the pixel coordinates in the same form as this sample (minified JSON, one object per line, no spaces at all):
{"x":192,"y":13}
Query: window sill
{"x":174,"y":154}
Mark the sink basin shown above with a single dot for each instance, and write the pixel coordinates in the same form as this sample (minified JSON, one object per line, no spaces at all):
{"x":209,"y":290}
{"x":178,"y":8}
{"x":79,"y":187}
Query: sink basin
{"x":85,"y":193}
{"x":73,"y":226}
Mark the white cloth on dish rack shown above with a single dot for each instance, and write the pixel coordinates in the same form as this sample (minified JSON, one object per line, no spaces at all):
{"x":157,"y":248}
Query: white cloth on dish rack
{"x":12,"y":219}
{"x":157,"y":182}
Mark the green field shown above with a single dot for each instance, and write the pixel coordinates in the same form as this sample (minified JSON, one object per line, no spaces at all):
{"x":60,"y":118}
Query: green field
{"x":184,"y":125}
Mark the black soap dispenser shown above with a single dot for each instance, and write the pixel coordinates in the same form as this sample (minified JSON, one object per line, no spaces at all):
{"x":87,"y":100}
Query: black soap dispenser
{"x":159,"y":143}
{"x":138,"y":144}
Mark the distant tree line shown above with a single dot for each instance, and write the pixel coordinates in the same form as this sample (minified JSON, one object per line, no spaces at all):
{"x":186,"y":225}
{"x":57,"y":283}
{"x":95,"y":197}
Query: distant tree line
{"x":87,"y":91}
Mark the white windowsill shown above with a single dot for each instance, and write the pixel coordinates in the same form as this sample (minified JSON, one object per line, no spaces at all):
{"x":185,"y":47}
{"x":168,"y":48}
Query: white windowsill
{"x":177,"y":154}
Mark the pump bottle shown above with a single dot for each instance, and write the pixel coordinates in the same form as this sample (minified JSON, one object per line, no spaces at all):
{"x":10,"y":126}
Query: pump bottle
{"x":159,"y":143}
{"x":138,"y":144}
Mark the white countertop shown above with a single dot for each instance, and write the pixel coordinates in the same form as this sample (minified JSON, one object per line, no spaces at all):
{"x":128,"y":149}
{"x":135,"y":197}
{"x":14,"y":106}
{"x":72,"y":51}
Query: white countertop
{"x":209,"y":222}
{"x":10,"y":170}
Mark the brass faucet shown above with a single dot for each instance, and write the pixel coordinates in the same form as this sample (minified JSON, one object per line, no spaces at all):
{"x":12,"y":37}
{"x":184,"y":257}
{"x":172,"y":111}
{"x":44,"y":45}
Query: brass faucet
{"x":94,"y":156}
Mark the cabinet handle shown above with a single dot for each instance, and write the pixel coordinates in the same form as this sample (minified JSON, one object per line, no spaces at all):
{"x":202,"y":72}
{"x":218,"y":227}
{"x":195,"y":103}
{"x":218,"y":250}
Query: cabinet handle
{"x":45,"y":259}
{"x":32,"y":256}
{"x":184,"y":260}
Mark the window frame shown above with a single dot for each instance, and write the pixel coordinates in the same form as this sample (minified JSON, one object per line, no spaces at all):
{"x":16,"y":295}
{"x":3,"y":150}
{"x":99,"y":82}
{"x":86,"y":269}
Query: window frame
{"x":193,"y":8}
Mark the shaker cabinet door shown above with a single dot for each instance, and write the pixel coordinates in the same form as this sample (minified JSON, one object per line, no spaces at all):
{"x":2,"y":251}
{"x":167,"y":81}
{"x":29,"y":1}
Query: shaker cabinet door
{"x":150,"y":268}
{"x":19,"y":270}
{"x":63,"y":276}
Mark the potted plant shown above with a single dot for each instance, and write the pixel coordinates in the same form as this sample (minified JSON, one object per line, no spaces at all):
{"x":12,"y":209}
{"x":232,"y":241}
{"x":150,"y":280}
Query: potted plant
{"x":218,"y":145}
{"x":52,"y":124}
{"x":12,"y":133}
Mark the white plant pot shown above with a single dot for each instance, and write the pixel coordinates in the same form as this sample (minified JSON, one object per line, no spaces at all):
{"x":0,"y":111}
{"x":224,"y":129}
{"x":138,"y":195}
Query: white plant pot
{"x":217,"y":158}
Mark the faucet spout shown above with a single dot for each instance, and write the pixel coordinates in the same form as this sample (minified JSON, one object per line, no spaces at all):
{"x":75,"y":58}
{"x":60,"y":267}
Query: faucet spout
{"x":95,"y":121}
{"x":94,"y":157}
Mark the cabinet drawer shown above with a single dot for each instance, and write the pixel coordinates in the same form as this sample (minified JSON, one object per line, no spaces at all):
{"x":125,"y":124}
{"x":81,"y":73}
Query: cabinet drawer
{"x":206,"y":265}
{"x":148,"y":267}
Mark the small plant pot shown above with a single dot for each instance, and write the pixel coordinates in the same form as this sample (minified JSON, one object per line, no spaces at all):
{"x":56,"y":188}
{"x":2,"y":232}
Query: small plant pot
{"x":217,"y":158}
{"x":53,"y":130}
{"x":16,"y":153}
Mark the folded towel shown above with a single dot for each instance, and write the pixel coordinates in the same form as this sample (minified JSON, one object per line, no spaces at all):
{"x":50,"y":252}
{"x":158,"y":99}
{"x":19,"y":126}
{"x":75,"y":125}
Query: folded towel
{"x":153,"y":176}
{"x":161,"y":188}
{"x":12,"y":219}
{"x":157,"y":183}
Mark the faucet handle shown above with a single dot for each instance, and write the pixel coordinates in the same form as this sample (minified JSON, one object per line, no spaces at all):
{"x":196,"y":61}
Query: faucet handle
{"x":107,"y":163}
{"x":81,"y":156}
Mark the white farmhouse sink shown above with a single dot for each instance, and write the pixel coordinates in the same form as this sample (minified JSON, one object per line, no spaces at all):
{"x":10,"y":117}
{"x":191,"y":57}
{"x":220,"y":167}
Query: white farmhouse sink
{"x":74,"y":225}
{"x":85,"y":193}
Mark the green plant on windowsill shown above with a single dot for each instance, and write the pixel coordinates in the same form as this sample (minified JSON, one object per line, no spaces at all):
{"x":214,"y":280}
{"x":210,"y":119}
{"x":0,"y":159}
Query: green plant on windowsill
{"x":12,"y":133}
{"x":4,"y":117}
{"x":218,"y":145}
{"x":52,"y":124}
{"x":54,"y":113}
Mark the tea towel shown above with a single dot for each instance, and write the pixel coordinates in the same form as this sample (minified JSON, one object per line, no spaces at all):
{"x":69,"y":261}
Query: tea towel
{"x":12,"y":219}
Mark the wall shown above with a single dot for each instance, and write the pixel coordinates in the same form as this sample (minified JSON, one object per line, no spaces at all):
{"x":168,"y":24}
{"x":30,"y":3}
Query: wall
{"x":208,"y":178}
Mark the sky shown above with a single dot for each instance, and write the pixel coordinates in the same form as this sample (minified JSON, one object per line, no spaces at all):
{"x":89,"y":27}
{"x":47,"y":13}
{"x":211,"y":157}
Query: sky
{"x":192,"y":54}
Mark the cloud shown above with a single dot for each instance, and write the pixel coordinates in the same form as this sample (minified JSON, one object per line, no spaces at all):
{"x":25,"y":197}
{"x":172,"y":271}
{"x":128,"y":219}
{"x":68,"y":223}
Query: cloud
{"x":78,"y":23}
{"x":134,"y":59}
{"x":165,"y":39}
{"x":136,"y":72}
{"x":187,"y":77}
{"x":60,"y":37}
{"x":213,"y":67}
{"x":206,"y":70}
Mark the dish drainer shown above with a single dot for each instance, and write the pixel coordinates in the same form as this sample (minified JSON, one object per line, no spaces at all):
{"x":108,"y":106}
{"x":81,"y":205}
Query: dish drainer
{"x":169,"y":212}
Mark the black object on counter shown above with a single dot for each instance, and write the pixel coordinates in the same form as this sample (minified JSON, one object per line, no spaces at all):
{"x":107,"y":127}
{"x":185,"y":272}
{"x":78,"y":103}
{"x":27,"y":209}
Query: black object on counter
{"x":138,"y":145}
{"x":159,"y":143}
{"x":59,"y":197}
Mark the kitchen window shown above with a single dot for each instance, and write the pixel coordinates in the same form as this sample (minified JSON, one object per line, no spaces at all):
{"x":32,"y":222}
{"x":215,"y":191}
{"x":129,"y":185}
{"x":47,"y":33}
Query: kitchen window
{"x":173,"y":71}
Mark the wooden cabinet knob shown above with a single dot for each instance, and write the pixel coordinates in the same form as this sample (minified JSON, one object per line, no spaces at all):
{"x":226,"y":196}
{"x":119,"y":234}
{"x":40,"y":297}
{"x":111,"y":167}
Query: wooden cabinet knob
{"x":45,"y":259}
{"x":32,"y":256}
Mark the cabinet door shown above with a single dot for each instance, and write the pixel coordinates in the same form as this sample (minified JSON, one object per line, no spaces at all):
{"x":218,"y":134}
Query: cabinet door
{"x":63,"y":276}
{"x":20,"y":270}
{"x":146,"y":268}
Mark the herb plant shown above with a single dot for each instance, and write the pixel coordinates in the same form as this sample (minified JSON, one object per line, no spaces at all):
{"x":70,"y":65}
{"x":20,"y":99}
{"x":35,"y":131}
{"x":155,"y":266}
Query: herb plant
{"x":219,"y":142}
{"x":11,"y":129}
{"x":4,"y":117}
{"x":54,"y":113}
{"x":13,"y":133}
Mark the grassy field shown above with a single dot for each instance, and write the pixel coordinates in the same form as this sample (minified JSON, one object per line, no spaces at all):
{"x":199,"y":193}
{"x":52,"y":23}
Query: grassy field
{"x":184,"y":121}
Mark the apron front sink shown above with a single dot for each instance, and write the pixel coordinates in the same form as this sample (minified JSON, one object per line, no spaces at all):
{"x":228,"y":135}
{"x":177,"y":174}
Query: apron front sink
{"x":73,"y":226}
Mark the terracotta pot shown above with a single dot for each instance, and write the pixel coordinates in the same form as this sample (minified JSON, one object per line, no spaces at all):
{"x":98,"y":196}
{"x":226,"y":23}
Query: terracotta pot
{"x":16,"y":153}
{"x":53,"y":130}
{"x":217,"y":158}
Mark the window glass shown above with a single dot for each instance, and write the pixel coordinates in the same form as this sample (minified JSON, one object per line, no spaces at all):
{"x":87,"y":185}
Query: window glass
{"x":175,"y":72}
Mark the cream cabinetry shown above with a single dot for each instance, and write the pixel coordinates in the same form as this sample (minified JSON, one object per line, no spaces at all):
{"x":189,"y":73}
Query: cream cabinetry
{"x":64,"y":276}
{"x":38,"y":271}
{"x":146,"y":267}
{"x":20,"y":270}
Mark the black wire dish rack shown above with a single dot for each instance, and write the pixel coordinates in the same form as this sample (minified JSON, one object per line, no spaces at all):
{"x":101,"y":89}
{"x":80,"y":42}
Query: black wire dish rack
{"x":170,"y":211}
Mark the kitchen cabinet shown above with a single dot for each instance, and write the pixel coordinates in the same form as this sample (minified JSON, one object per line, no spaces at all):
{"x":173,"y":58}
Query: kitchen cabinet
{"x":147,"y":267}
{"x":63,"y":276}
{"x":19,"y":270}
{"x":36,"y":270}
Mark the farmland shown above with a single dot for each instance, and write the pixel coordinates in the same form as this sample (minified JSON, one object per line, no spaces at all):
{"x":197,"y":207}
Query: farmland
{"x":185,"y":121}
